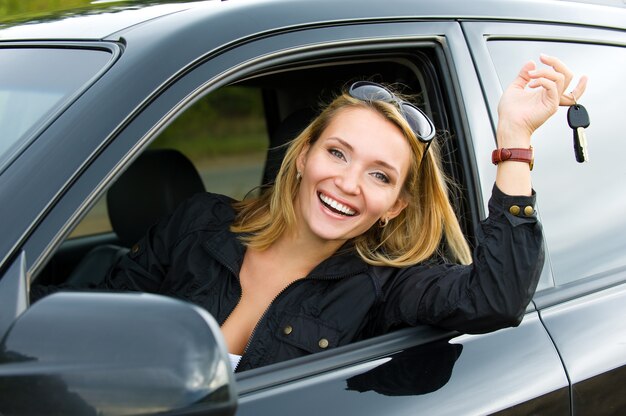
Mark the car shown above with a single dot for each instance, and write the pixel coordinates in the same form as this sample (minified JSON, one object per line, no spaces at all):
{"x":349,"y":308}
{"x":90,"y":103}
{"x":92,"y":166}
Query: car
{"x":112,"y":115}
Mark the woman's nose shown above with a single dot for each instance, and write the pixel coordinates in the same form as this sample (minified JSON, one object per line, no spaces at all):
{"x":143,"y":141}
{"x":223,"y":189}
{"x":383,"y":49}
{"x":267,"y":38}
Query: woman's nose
{"x":348,"y":181}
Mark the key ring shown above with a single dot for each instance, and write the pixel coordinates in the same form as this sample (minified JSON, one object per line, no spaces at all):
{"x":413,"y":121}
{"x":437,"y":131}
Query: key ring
{"x":573,"y":97}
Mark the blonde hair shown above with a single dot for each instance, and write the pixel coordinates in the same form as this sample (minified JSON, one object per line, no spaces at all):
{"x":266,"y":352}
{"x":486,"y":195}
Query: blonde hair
{"x":410,"y":238}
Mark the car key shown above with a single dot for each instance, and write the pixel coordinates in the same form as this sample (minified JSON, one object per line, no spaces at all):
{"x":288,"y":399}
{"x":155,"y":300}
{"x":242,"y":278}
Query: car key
{"x":578,"y":120}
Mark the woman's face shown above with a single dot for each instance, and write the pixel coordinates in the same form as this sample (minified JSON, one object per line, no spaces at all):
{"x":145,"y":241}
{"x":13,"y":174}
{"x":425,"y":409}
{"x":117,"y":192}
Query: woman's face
{"x":351,"y":176}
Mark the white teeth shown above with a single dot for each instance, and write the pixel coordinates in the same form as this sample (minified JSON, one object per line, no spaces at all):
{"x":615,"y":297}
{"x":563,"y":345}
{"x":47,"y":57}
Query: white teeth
{"x":336,"y":205}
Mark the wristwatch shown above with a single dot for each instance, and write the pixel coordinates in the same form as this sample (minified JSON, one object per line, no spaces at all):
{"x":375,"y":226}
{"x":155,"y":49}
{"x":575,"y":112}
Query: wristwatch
{"x":515,"y":154}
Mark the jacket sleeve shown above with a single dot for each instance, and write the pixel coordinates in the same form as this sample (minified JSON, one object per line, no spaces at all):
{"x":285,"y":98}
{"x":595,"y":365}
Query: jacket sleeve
{"x":491,"y":293}
{"x":145,"y":266}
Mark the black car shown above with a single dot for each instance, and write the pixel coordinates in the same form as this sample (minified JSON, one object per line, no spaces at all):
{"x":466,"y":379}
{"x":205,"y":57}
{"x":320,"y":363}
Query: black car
{"x":110,"y":116}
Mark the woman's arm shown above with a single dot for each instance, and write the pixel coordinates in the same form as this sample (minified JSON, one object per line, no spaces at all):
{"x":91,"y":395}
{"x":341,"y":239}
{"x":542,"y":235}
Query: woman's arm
{"x":494,"y":291}
{"x":489,"y":294}
{"x":532,"y":98}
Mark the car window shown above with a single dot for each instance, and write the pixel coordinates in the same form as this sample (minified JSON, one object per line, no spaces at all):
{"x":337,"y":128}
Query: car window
{"x":223,"y":135}
{"x":584,"y":214}
{"x":34,"y":82}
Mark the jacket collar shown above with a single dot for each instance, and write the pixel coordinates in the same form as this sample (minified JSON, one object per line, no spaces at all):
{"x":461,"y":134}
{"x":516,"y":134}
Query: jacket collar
{"x":226,"y":247}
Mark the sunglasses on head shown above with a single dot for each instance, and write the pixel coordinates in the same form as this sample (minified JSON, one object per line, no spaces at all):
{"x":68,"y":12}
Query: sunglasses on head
{"x":422,"y":126}
{"x":419,"y":122}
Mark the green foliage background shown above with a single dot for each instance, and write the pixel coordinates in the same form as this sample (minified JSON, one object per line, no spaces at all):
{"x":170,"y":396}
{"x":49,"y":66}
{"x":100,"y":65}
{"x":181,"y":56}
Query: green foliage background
{"x":11,"y":10}
{"x":227,"y":122}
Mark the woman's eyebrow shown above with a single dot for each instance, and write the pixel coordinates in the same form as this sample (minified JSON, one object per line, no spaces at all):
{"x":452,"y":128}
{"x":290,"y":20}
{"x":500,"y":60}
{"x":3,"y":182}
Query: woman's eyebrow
{"x":376,"y":162}
{"x":343,"y":142}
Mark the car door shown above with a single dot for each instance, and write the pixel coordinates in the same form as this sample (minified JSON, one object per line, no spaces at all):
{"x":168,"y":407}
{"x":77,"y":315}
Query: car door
{"x":514,"y":370}
{"x":583,"y":301}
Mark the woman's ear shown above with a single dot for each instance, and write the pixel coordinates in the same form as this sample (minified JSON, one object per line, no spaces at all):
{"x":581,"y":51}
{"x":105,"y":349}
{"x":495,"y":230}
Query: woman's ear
{"x":302,"y":157}
{"x":396,"y":208}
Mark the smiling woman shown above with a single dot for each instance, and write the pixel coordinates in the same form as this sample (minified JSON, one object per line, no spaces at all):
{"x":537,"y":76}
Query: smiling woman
{"x":349,"y":179}
{"x":361,"y":191}
{"x":352,"y":134}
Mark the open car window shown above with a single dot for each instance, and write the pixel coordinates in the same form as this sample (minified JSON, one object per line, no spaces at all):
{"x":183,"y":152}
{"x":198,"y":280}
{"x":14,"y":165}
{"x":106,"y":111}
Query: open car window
{"x":233,"y":139}
{"x":225,"y":138}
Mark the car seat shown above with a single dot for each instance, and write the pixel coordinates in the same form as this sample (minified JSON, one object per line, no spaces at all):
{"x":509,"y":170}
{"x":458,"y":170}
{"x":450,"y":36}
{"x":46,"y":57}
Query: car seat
{"x":151,"y":188}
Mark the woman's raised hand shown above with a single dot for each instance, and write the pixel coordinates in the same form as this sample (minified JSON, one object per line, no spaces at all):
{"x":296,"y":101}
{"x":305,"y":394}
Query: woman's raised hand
{"x":522,"y":110}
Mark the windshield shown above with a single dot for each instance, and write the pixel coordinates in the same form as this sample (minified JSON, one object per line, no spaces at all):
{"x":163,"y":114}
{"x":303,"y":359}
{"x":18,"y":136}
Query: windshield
{"x":34,"y":85}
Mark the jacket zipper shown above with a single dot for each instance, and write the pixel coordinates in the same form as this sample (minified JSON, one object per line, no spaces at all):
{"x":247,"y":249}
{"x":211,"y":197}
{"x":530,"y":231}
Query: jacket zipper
{"x":263,"y":316}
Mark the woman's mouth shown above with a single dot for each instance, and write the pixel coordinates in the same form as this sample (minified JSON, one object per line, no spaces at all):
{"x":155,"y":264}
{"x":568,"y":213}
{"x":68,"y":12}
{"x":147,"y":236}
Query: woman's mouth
{"x":336,"y":206}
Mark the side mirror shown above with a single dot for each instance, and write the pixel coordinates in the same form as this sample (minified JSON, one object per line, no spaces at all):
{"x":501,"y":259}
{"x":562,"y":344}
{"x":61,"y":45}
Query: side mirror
{"x":114,"y":354}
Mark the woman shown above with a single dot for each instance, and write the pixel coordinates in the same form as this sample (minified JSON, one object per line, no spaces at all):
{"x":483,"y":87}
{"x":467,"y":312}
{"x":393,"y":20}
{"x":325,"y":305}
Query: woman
{"x":343,"y":247}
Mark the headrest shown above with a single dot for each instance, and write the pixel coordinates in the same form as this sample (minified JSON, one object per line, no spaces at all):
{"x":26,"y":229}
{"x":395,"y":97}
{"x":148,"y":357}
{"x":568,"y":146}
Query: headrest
{"x":152,"y":187}
{"x":286,"y":131}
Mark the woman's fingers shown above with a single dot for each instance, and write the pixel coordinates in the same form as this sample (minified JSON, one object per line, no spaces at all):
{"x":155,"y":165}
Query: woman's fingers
{"x":559,"y":67}
{"x":523,"y":78}
{"x":549,"y":84}
{"x":552,"y":86}
{"x":565,"y":97}
{"x":570,"y":98}
{"x":550,"y":74}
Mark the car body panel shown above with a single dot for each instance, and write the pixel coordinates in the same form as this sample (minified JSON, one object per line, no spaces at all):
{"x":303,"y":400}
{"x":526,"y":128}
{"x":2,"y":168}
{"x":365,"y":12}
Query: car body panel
{"x":100,"y":23}
{"x":584,"y":318}
{"x":590,"y":334}
{"x":420,"y":379}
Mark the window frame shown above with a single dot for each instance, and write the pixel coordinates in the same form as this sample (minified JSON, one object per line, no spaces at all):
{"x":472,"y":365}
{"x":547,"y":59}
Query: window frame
{"x":225,"y":68}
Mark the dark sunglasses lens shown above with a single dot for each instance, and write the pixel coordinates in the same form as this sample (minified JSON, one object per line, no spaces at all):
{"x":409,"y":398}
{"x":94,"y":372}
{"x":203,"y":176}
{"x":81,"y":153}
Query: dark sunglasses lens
{"x":419,"y":122}
{"x":370,"y":92}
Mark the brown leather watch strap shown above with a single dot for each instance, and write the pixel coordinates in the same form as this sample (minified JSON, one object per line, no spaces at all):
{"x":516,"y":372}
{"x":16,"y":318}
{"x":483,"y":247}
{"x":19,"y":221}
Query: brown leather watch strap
{"x":514,"y":154}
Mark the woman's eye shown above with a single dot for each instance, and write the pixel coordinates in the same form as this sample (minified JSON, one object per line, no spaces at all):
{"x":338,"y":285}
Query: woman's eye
{"x":381,"y":177}
{"x":337,"y":153}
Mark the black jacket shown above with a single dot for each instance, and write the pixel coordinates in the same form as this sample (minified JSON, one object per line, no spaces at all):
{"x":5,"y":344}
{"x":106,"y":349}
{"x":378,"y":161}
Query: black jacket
{"x":194,"y":256}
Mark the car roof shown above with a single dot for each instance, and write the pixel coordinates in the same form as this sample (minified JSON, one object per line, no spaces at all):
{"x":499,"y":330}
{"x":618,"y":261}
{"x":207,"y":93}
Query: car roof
{"x":114,"y":20}
{"x":87,"y":23}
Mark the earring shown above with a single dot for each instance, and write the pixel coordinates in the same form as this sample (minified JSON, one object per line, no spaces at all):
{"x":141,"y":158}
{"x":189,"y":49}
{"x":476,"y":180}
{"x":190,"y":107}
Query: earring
{"x":298,"y":176}
{"x":382,"y":223}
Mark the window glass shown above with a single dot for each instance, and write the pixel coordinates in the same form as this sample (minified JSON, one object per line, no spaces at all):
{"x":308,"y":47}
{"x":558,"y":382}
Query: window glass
{"x":581,"y":205}
{"x":95,"y":222}
{"x":34,"y":82}
{"x":223,"y":135}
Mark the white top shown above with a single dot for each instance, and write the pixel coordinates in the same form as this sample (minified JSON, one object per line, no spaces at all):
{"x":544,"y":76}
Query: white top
{"x":234,"y":360}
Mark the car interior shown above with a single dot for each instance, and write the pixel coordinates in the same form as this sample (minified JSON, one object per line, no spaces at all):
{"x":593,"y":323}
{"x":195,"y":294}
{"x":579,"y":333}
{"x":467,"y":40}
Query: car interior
{"x":162,"y":177}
